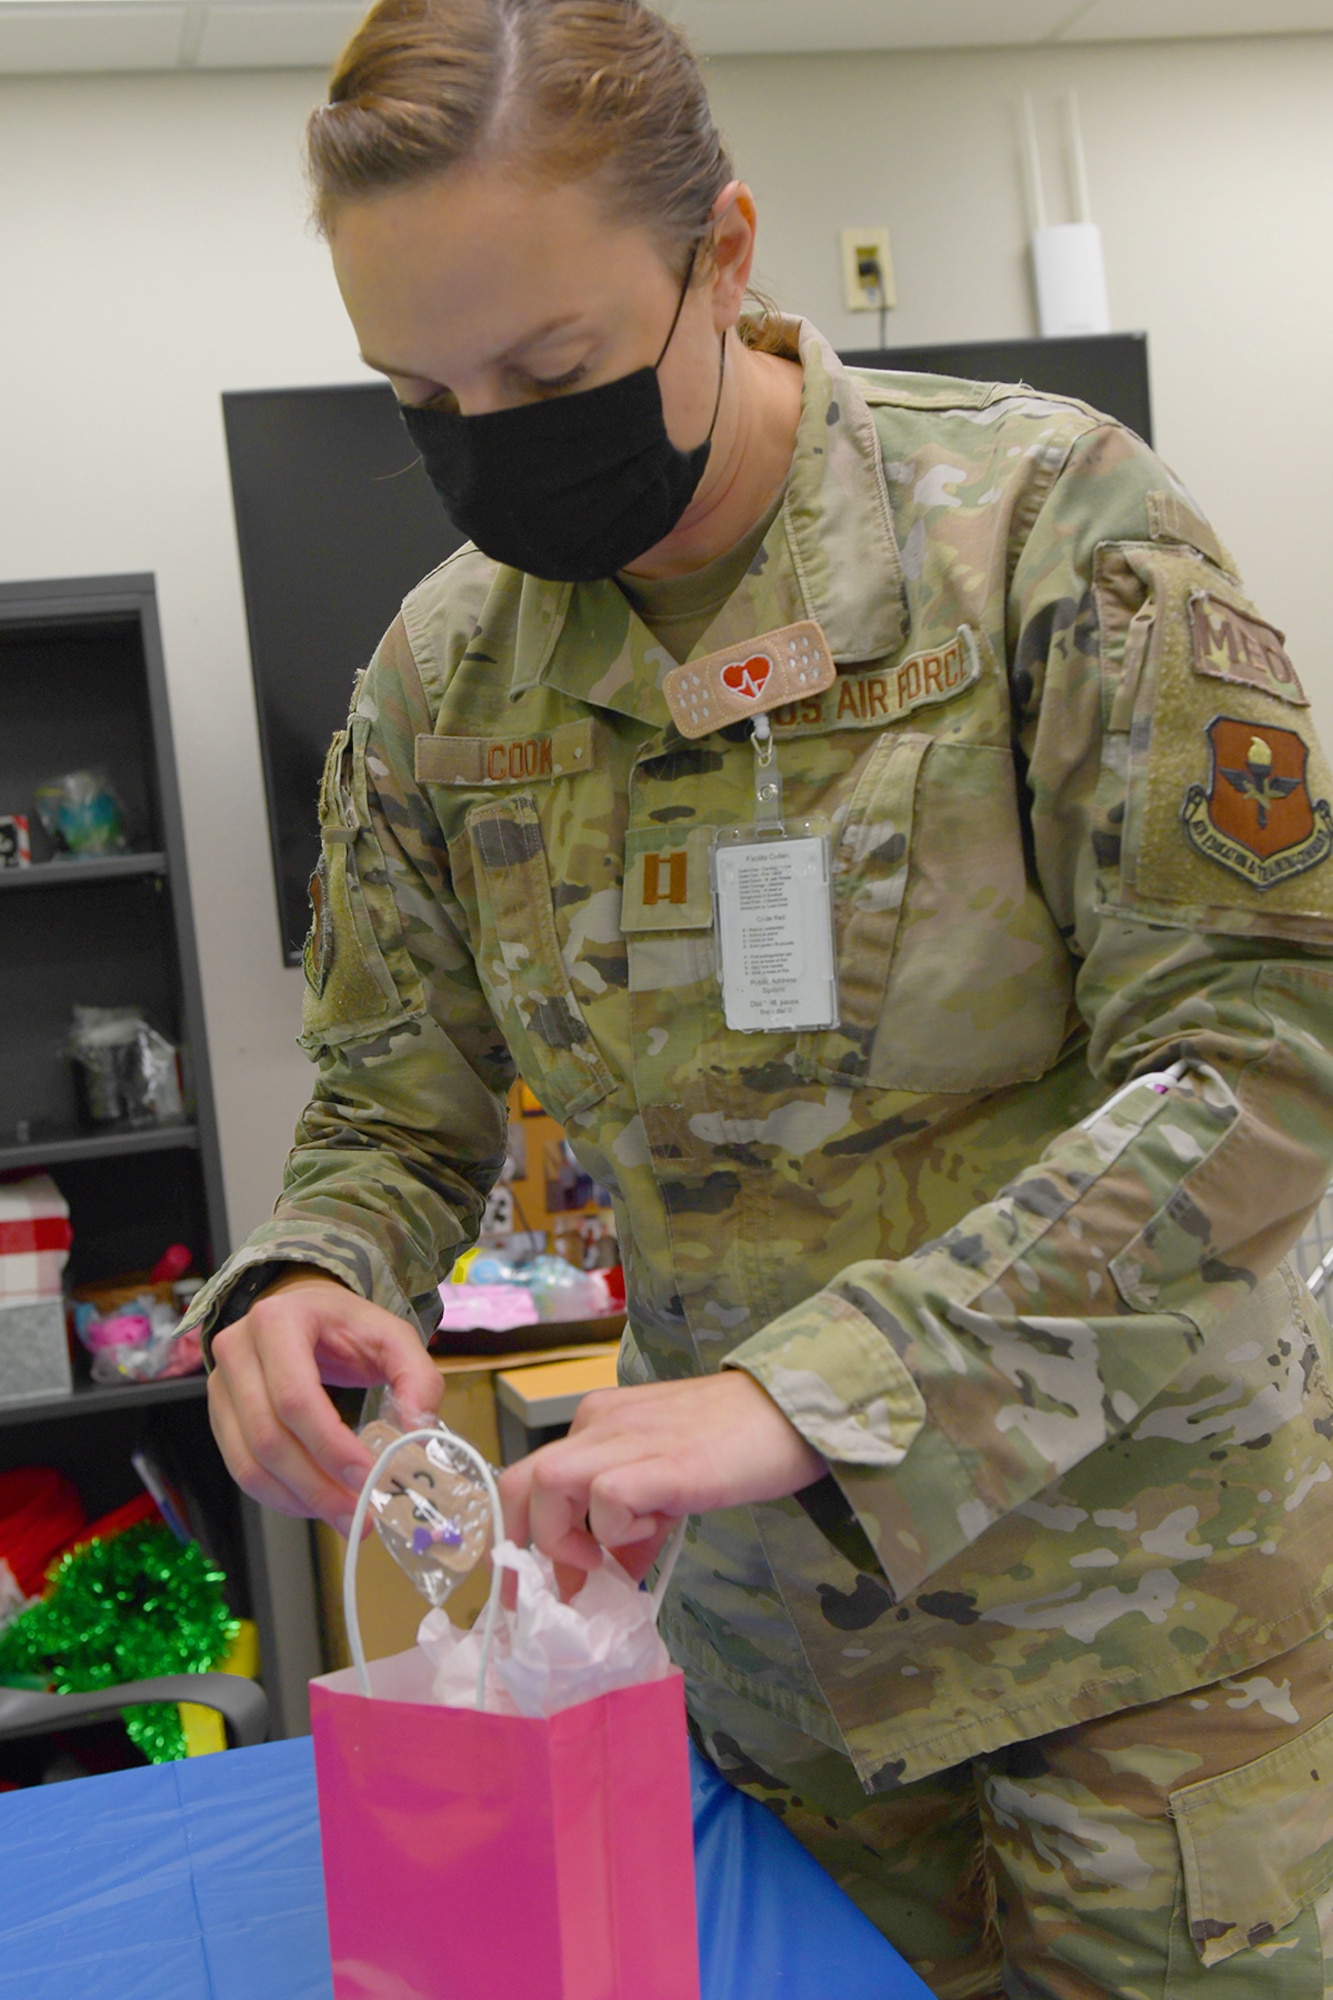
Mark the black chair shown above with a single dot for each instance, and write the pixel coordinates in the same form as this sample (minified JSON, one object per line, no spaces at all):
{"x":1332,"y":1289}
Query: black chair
{"x":241,"y":1703}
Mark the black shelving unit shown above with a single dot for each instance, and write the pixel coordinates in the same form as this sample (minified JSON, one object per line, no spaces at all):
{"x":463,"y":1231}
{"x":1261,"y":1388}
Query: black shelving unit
{"x":82,"y":685}
{"x":71,"y":874}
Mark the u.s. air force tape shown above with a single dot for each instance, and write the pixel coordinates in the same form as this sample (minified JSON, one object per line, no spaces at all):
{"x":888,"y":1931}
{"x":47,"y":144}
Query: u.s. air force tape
{"x":749,"y":679}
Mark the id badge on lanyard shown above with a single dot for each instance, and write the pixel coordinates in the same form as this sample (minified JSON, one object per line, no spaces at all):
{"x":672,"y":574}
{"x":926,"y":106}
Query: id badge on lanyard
{"x":773,"y":912}
{"x":772,"y":892}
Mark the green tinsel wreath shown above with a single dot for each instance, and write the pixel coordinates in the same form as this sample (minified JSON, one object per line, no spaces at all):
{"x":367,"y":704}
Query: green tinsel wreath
{"x":139,"y":1604}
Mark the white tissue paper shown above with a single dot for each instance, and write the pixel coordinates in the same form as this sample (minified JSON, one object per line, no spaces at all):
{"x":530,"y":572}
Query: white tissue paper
{"x":548,"y":1655}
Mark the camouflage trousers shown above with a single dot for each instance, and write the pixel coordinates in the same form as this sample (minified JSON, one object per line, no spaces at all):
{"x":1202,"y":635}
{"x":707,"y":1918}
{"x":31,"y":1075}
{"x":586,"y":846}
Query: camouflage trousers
{"x":1179,"y":1851}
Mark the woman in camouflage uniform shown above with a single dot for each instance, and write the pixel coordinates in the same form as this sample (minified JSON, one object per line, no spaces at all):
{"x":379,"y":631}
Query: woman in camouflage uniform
{"x":959,"y":1324}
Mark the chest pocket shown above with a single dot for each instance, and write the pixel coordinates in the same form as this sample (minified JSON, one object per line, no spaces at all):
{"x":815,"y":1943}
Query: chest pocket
{"x":520,"y":963}
{"x":951,"y":973}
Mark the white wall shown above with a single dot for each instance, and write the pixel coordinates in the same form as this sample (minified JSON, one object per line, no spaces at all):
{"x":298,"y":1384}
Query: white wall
{"x":154,"y":252}
{"x":1211,"y":170}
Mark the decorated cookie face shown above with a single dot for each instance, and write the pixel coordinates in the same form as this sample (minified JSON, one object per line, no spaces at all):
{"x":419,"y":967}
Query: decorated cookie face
{"x":431,"y":1511}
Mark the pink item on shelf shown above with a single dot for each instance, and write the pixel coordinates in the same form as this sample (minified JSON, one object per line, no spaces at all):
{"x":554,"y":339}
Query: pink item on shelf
{"x":496,"y":1308}
{"x":186,"y":1355}
{"x":122,"y":1329}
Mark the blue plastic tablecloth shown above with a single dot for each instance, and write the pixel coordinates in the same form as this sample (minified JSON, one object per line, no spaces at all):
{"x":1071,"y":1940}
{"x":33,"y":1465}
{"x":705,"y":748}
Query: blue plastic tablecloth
{"x":201,"y":1881}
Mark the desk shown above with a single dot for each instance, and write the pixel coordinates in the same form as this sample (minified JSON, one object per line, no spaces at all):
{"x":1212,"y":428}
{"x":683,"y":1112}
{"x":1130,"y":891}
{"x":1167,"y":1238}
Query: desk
{"x":201,"y":1881}
{"x":536,"y":1399}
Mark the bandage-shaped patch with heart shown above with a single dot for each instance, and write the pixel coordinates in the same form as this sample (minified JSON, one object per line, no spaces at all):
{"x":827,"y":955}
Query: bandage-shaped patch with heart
{"x":763,"y":673}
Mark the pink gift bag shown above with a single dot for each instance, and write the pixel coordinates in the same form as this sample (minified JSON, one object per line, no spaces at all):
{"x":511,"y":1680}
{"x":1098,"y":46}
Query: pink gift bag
{"x":480,"y":1856}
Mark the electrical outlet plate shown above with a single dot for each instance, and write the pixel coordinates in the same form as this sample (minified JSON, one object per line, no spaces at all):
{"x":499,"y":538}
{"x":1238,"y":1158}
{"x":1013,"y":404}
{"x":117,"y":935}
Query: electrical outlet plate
{"x":862,"y":294}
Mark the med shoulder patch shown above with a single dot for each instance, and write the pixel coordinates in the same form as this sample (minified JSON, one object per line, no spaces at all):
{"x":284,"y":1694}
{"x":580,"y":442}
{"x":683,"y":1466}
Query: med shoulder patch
{"x":1230,"y":646}
{"x":1227,"y":820}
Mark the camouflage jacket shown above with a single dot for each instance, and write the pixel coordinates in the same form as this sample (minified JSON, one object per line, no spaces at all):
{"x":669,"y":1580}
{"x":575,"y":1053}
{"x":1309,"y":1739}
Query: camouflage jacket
{"x":1034,"y":1314}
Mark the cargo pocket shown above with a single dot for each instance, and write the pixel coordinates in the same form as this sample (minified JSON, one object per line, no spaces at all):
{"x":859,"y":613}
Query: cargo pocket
{"x":520,"y":964}
{"x":360,"y":978}
{"x":952,"y":975}
{"x":1257,"y":1850}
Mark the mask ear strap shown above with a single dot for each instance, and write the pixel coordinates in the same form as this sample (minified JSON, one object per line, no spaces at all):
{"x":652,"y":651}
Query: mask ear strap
{"x":721,"y":378}
{"x":680,"y":307}
{"x":680,"y":302}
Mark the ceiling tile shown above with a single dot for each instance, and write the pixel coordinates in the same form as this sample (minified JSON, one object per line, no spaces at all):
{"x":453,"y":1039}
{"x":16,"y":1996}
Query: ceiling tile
{"x":1140,"y":20}
{"x":92,"y":35}
{"x":752,"y":27}
{"x":45,"y":38}
{"x":290,"y":34}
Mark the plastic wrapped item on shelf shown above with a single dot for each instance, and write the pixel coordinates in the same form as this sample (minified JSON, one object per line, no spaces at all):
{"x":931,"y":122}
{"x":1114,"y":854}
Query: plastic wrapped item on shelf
{"x":184,"y":1357}
{"x":131,"y":1344}
{"x":557,"y":1288}
{"x":495,"y":1308}
{"x":125,"y":1072}
{"x":560,"y":1291}
{"x":82,"y":814}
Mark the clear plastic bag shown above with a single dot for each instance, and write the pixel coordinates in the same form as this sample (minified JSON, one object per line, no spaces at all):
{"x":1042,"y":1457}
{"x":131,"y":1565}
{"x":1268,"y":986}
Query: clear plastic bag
{"x":125,"y":1072}
{"x":429,"y":1505}
{"x":82,"y":814}
{"x":131,"y":1344}
{"x":557,"y":1288}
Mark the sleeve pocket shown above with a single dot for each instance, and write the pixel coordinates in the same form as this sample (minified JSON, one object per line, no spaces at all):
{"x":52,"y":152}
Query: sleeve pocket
{"x":359,"y":976}
{"x":1257,"y":1845}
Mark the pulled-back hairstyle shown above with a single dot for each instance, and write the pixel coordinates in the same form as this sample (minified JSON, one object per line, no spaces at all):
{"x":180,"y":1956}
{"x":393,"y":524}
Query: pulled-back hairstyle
{"x":604,"y":91}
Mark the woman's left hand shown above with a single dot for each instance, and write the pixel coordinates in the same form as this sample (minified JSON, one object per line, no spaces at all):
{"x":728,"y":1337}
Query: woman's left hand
{"x":635,"y":1460}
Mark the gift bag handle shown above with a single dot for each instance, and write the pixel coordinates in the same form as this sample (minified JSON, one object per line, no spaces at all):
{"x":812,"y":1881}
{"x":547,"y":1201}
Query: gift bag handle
{"x":351,"y":1614}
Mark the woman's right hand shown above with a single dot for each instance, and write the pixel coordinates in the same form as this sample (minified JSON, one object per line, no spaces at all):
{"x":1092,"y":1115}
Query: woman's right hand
{"x":278,"y":1431}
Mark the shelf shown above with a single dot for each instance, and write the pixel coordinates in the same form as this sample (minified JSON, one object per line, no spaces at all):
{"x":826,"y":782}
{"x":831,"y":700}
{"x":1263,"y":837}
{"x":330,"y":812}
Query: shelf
{"x":55,"y":1147}
{"x":60,"y":874}
{"x":93,"y":1398}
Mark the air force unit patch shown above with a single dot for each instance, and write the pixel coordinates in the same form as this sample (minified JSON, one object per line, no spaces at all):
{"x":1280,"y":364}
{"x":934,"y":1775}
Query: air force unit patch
{"x":1256,"y":816}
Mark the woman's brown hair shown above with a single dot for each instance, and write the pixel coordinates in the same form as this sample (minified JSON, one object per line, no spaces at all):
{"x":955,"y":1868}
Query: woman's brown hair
{"x":605,"y":91}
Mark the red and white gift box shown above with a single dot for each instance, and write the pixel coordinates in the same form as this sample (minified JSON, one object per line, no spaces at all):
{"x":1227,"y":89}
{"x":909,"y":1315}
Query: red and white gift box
{"x":34,"y":1240}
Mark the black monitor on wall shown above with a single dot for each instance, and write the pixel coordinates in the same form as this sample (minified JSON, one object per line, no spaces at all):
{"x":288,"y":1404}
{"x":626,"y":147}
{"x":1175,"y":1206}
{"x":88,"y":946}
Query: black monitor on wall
{"x":1108,"y":370}
{"x":337,"y":521}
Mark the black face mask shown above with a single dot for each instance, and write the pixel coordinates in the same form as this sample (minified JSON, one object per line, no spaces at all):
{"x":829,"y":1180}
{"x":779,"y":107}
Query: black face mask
{"x":572,"y":489}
